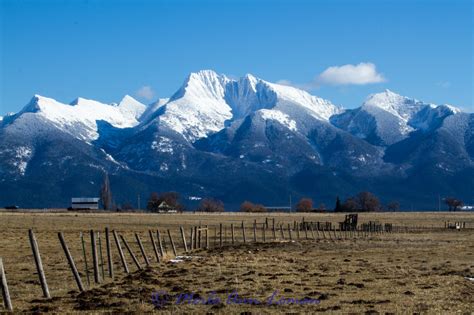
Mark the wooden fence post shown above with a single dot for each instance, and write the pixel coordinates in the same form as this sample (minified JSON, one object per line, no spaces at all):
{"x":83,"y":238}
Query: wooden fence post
{"x":101,"y":257}
{"x":119,"y":248}
{"x":109,"y":253}
{"x":95,"y":259}
{"x":243,"y":232}
{"x":70,"y":260}
{"x":273,"y":229}
{"x":312,"y":232}
{"x":215,"y":236}
{"x":263,"y":232}
{"x":155,"y":249}
{"x":232,"y":232}
{"x":134,"y":258}
{"x":142,"y":249}
{"x":85,"y":259}
{"x":184,"y":239}
{"x":172,"y":243}
{"x":192,"y":238}
{"x":255,"y":231}
{"x":207,"y":237}
{"x":4,"y":286}
{"x":289,"y":232}
{"x":220,"y":234}
{"x":199,"y":236}
{"x":282,"y":235}
{"x":160,"y":243}
{"x":39,"y":264}
{"x":195,"y":237}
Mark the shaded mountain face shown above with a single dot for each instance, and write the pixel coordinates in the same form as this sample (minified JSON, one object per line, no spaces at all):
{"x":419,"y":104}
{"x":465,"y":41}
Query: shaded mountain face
{"x":236,"y":140}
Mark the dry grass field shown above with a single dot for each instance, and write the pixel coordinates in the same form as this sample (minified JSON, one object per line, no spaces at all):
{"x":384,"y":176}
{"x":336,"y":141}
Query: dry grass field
{"x":421,"y":271}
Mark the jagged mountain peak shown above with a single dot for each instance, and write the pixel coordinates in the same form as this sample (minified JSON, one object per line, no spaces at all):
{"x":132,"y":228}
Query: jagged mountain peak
{"x":394,"y":103}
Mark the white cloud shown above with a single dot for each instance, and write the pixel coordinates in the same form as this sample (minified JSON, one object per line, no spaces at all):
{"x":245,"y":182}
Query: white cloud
{"x":361,"y":74}
{"x":145,"y":92}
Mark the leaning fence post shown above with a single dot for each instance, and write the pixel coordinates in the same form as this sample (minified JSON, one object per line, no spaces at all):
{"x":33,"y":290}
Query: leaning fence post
{"x":243,"y":232}
{"x":160,"y":243}
{"x":70,"y":260}
{"x":289,"y":232}
{"x":282,"y":235}
{"x":5,"y":292}
{"x":85,"y":259}
{"x":172,"y":243}
{"x":263,"y":233}
{"x":122,"y":256}
{"x":134,"y":258}
{"x":142,"y":249}
{"x":155,"y":249}
{"x":184,"y":239}
{"x":39,"y":264}
{"x":109,"y":253}
{"x":95,"y":260}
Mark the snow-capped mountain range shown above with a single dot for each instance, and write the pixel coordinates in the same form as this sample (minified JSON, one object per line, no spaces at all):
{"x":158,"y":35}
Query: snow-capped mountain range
{"x":235,"y":140}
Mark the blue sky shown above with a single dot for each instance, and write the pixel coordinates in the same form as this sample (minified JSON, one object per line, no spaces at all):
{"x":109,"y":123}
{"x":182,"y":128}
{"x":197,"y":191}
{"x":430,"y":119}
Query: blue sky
{"x":105,"y":49}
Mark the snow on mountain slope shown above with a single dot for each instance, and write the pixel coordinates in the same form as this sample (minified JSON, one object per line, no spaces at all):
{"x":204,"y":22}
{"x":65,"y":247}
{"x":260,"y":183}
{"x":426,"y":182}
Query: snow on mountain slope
{"x":279,"y":116}
{"x":78,"y":119}
{"x":208,"y":101}
{"x":400,"y":106}
{"x":386,"y":118}
{"x":318,"y":107}
{"x":198,"y":108}
{"x":130,"y":107}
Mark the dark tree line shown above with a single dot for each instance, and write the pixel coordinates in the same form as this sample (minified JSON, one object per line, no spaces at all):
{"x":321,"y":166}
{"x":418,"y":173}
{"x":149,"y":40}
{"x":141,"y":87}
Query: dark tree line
{"x":363,"y":202}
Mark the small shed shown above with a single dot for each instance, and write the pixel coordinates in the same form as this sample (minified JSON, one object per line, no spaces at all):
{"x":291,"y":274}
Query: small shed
{"x":85,"y":203}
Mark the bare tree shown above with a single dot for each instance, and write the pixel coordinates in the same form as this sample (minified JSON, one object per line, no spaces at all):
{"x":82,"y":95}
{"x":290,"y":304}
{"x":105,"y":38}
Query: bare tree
{"x":393,"y":206}
{"x":304,"y":205}
{"x":368,"y":201}
{"x":248,"y":206}
{"x":350,"y":204}
{"x":453,"y":203}
{"x":211,"y":205}
{"x":106,"y":193}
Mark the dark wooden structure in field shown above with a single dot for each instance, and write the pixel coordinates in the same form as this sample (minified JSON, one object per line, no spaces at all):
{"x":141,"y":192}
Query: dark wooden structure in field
{"x":349,"y":223}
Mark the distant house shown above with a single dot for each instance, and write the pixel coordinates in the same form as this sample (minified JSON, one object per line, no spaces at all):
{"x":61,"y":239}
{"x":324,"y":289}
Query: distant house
{"x":165,"y":208}
{"x":84,"y":203}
